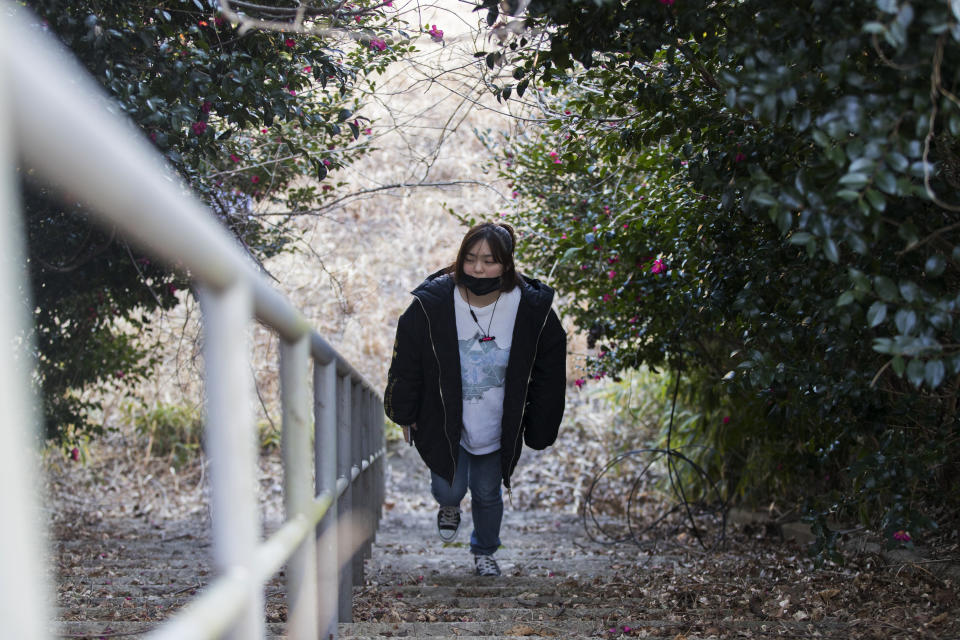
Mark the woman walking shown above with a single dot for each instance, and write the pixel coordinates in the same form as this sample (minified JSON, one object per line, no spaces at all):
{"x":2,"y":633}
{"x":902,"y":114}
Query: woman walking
{"x":479,"y":361}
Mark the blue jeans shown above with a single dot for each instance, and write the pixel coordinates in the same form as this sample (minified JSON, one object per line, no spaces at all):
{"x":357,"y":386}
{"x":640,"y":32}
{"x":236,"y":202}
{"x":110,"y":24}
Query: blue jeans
{"x":483,"y":475}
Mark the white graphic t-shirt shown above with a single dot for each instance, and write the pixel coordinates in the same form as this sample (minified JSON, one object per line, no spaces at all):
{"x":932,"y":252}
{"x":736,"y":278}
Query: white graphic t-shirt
{"x":483,"y":367}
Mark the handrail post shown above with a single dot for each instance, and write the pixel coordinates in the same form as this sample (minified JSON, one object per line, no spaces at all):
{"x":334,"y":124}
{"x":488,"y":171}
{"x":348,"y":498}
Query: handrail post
{"x":357,"y":496}
{"x":325,"y":463}
{"x":344,"y":470}
{"x":24,"y":612}
{"x":381,"y":477}
{"x":302,"y":618}
{"x":230,"y":441}
{"x":369,"y":488}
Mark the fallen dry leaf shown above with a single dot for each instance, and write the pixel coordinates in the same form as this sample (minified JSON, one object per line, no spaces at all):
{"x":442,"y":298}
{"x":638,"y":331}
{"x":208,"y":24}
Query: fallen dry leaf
{"x":521,"y":630}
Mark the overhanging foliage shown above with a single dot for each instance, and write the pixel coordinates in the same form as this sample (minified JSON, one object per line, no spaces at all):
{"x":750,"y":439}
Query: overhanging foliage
{"x":762,"y":196}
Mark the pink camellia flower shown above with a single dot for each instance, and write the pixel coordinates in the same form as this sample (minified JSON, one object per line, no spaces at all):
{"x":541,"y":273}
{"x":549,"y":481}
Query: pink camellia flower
{"x":206,"y":106}
{"x":739,"y":157}
{"x":308,"y":68}
{"x":583,"y":267}
{"x":658,"y":266}
{"x":579,"y":382}
{"x":563,"y":236}
{"x":514,"y":194}
{"x":153,"y":136}
{"x":611,"y":274}
{"x":436,"y":34}
{"x":75,"y":454}
{"x":263,"y":130}
{"x":378,"y":45}
{"x":255,"y":179}
{"x":606,"y":297}
{"x":368,"y":131}
{"x":171,"y":288}
{"x":218,"y":21}
{"x":388,"y":3}
{"x":627,"y":629}
{"x":668,"y":3}
{"x":902,"y":536}
{"x":289,"y":43}
{"x":234,"y":157}
{"x":293,"y":92}
{"x":199,"y":128}
{"x":326,"y":162}
{"x":726,"y":419}
{"x":552,"y":154}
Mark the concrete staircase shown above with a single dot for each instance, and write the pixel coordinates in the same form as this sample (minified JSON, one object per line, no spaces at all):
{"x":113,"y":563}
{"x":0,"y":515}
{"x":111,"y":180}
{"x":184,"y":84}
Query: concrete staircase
{"x":556,"y":582}
{"x":418,"y":587}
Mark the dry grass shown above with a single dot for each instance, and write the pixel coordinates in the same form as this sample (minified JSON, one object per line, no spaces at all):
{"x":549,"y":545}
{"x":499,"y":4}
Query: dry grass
{"x":353,"y":271}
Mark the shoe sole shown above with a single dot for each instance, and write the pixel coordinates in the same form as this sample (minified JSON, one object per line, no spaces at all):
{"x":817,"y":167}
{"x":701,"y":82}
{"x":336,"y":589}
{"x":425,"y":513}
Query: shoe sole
{"x":451,"y":538}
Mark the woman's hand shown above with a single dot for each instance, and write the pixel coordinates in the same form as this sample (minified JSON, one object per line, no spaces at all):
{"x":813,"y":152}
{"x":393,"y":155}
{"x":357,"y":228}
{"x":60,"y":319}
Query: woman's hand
{"x":406,"y":433}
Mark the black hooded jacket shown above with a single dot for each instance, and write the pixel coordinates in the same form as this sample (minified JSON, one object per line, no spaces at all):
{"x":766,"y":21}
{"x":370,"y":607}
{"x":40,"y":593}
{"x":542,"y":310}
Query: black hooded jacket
{"x":424,"y":383}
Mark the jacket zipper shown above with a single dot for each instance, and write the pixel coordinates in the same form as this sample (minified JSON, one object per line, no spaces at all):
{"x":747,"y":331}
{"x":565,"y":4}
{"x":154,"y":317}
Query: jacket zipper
{"x":524,"y":408}
{"x":440,"y":385}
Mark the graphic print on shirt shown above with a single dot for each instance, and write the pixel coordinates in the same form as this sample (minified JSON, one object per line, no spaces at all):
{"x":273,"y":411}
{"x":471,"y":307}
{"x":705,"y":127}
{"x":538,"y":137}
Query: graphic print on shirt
{"x":483,"y":366}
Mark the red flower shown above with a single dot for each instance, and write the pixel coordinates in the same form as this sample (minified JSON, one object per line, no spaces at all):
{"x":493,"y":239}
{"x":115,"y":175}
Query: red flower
{"x":378,"y":45}
{"x":658,"y":266}
{"x":739,"y":157}
{"x":234,"y":158}
{"x":75,"y":454}
{"x":290,"y":43}
{"x":579,"y":382}
{"x":206,"y":106}
{"x":255,"y":179}
{"x":199,"y":128}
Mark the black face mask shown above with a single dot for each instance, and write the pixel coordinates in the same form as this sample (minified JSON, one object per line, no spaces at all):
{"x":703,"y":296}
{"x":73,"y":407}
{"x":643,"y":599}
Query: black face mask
{"x":480,"y":286}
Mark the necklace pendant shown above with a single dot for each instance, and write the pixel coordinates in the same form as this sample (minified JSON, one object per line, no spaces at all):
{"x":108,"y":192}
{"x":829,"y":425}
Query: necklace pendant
{"x":488,"y":338}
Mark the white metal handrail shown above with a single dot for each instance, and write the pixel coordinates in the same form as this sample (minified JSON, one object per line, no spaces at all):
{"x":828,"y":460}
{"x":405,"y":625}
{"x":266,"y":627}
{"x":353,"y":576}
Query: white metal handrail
{"x":55,"y":118}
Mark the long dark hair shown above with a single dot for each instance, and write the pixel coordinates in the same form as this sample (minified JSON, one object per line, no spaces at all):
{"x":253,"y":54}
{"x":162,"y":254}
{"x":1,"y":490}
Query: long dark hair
{"x":501,"y":239}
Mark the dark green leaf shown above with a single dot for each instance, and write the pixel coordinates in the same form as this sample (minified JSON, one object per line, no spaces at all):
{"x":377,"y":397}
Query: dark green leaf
{"x":876,"y":314}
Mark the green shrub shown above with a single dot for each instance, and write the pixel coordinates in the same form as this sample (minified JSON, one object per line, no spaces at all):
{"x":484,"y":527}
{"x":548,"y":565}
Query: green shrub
{"x":172,"y":431}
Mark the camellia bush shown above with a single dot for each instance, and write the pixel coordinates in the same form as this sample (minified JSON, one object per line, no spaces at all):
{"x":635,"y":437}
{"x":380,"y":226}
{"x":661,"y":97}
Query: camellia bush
{"x":241,"y":114}
{"x":763,"y":198}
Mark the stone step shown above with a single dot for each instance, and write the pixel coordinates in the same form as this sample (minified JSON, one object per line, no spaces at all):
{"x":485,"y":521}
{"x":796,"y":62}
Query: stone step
{"x":512,"y":565}
{"x":573,"y":627}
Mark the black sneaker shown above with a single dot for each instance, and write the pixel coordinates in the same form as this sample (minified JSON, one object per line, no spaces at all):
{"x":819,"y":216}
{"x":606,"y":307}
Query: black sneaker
{"x":448,"y":523}
{"x":486,"y":565}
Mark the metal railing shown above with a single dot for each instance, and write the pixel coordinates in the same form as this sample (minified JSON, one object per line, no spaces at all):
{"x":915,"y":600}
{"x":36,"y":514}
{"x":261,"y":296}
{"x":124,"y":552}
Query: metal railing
{"x":54,"y":118}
